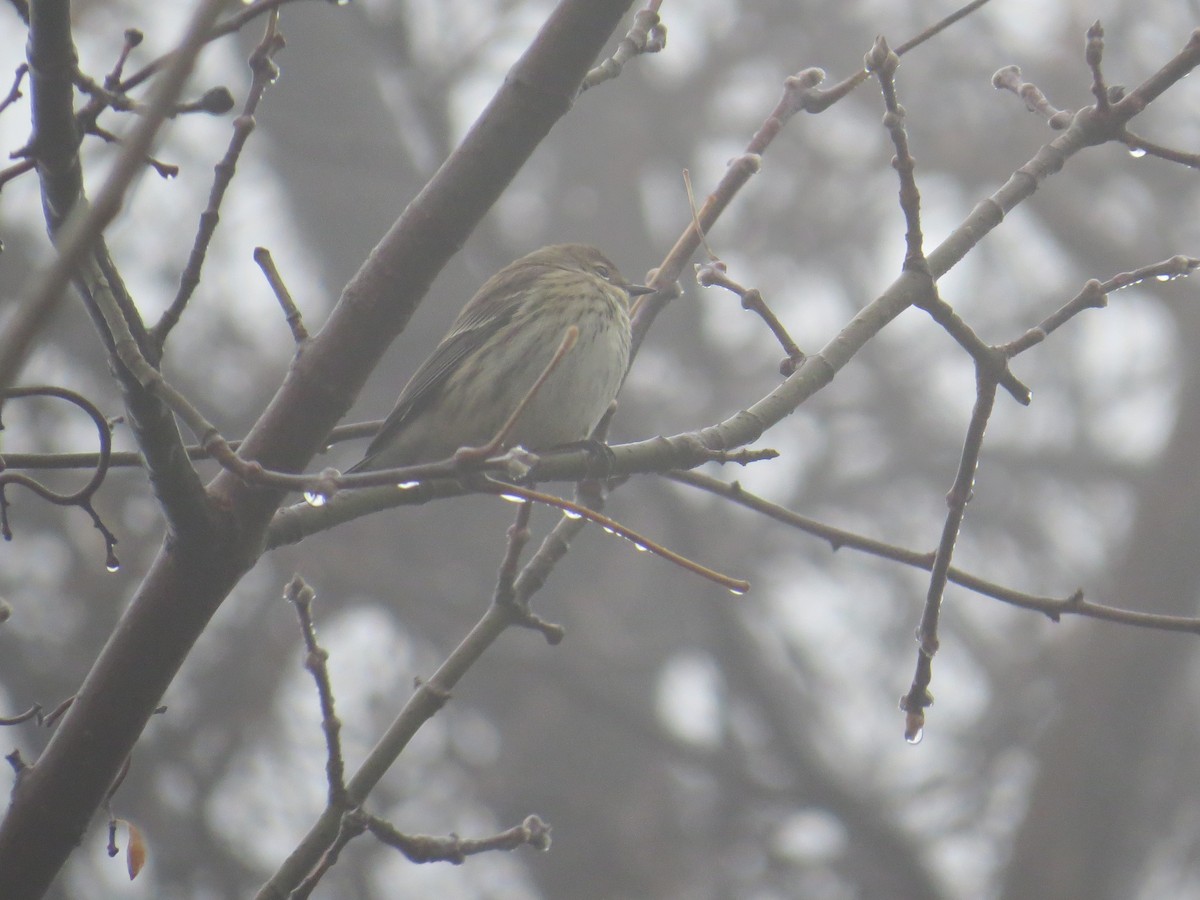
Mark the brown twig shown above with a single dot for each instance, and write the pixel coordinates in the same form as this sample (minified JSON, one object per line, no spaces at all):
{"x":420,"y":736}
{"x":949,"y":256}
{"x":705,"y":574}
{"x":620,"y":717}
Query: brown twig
{"x":646,"y":35}
{"x":81,"y":497}
{"x":291,"y":312}
{"x":14,"y":93}
{"x":1094,"y":295}
{"x":233,"y":23}
{"x":918,"y":697}
{"x":301,"y":596}
{"x":16,"y":170}
{"x":33,"y":712}
{"x":77,"y":236}
{"x":800,"y":93}
{"x":326,"y":835}
{"x":923,"y":287}
{"x":173,"y":606}
{"x":424,"y":848}
{"x":691,"y":197}
{"x":506,"y":576}
{"x":1140,"y":146}
{"x":1008,"y":78}
{"x":736,"y":586}
{"x":264,"y":72}
{"x":351,"y":824}
{"x":1094,"y":55}
{"x":1054,"y":608}
{"x":714,"y":274}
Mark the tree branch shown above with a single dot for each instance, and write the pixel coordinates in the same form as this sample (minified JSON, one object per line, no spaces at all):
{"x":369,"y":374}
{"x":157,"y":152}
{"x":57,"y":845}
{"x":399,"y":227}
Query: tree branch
{"x":56,"y":798}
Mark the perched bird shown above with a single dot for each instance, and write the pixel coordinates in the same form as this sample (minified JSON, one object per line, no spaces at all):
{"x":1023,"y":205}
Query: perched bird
{"x":497,"y":348}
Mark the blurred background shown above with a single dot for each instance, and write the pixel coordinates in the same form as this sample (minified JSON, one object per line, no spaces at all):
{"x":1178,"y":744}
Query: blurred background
{"x":682,"y":743}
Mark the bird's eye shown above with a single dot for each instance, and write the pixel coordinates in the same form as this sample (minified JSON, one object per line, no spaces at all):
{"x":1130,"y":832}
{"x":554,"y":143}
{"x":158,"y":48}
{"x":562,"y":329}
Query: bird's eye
{"x":602,"y":271}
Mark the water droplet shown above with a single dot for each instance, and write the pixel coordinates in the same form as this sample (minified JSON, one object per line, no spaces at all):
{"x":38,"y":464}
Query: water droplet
{"x":407,"y":485}
{"x":112,"y":564}
{"x":1136,"y":153}
{"x":571,"y":514}
{"x":315,"y":499}
{"x":512,"y":498}
{"x":608,"y":530}
{"x":640,"y":548}
{"x":914,"y":737}
{"x":738,"y":591}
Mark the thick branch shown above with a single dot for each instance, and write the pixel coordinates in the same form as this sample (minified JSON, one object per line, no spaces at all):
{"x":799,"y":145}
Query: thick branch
{"x":54,"y":801}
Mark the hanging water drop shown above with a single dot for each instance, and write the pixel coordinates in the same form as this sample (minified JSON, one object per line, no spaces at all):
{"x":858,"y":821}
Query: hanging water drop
{"x":512,"y":498}
{"x":315,"y":499}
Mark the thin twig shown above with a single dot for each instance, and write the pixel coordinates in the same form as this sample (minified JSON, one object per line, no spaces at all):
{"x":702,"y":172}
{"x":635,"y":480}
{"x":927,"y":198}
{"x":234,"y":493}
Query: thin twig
{"x":736,"y":586}
{"x":691,"y":197}
{"x":506,"y":576}
{"x":32,"y":713}
{"x":1008,"y":78}
{"x":918,"y":697}
{"x":291,"y":312}
{"x":301,"y":596}
{"x":714,"y":274}
{"x":1140,"y":146}
{"x":234,"y":23}
{"x":351,"y":824}
{"x":76,"y":237}
{"x":424,"y":848}
{"x":646,"y":35}
{"x":264,"y":72}
{"x":961,"y":13}
{"x":14,"y":93}
{"x":1054,"y":608}
{"x":883,"y":63}
{"x":430,"y":696}
{"x":81,"y":497}
{"x":1094,"y":55}
{"x":1094,"y":295}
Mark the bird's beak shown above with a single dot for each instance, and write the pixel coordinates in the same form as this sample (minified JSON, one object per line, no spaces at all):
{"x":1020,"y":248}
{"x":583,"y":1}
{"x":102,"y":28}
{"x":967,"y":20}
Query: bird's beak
{"x":637,"y":290}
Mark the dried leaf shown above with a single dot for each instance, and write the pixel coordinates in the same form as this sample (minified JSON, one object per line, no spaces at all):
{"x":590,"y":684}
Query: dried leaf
{"x":135,"y":853}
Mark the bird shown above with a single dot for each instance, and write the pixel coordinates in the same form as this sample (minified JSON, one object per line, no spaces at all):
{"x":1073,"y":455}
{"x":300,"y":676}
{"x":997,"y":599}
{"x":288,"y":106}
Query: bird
{"x":497,"y":348}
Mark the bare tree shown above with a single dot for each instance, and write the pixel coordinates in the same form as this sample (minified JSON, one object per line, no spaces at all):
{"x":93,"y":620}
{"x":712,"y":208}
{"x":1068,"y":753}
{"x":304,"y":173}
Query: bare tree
{"x":682,"y":742}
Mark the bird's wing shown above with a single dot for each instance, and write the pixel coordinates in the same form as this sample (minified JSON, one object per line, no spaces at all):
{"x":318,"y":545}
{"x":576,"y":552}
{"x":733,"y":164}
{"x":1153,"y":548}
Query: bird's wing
{"x":486,"y":314}
{"x":427,"y":381}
